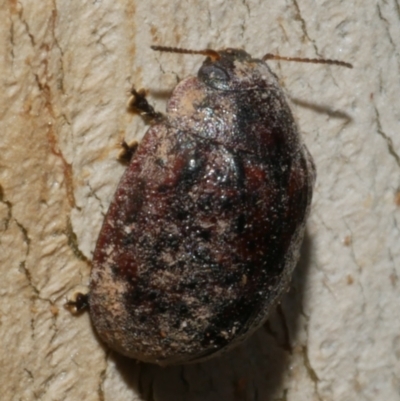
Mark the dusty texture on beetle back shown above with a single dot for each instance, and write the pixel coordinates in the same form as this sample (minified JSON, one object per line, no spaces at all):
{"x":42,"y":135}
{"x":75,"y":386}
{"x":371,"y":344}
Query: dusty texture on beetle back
{"x":206,"y":224}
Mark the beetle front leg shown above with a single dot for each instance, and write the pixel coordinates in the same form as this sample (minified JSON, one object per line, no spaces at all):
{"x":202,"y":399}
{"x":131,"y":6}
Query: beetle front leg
{"x":139,"y":104}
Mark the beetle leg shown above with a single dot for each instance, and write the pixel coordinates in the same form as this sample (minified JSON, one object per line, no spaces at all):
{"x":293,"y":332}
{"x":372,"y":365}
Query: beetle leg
{"x":139,"y":104}
{"x":78,"y":304}
{"x":127,"y":151}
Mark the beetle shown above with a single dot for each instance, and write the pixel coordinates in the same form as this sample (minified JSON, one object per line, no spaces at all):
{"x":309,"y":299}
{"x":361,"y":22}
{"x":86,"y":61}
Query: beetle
{"x":205,"y":228}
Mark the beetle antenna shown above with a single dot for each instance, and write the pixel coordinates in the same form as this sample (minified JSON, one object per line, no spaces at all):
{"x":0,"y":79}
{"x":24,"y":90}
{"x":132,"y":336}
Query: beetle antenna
{"x":270,"y":56}
{"x":214,"y":55}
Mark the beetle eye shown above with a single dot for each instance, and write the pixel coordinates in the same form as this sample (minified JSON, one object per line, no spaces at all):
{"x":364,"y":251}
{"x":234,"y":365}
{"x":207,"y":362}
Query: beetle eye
{"x":213,"y":75}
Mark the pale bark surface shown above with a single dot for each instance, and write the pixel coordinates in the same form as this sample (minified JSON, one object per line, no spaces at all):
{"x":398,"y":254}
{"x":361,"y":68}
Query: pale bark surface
{"x":66,"y":70}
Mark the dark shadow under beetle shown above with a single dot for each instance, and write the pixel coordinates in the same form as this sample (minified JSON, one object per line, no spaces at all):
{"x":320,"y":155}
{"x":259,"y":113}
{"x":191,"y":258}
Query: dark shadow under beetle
{"x":323,"y":109}
{"x":252,"y":371}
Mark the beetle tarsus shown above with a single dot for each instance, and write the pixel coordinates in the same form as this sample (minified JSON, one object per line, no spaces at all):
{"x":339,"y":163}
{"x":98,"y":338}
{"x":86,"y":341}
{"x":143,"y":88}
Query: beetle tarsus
{"x":127,"y":151}
{"x":79,"y":304}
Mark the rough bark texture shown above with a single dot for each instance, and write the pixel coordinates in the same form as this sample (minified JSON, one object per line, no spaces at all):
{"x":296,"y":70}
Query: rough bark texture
{"x":66,"y":70}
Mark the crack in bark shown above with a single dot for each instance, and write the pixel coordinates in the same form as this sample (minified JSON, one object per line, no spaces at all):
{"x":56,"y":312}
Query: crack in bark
{"x":397,"y":7}
{"x":244,"y":2}
{"x":28,"y":275}
{"x":61,"y":59}
{"x":93,"y":193}
{"x":311,"y":372}
{"x":12,"y":39}
{"x":387,"y":138}
{"x":26,"y":25}
{"x":100,"y":390}
{"x":8,"y":205}
{"x":73,"y":242}
{"x":244,"y":20}
{"x":303,"y":24}
{"x":29,"y":373}
{"x":394,"y":277}
{"x":387,"y":24}
{"x":25,"y":235}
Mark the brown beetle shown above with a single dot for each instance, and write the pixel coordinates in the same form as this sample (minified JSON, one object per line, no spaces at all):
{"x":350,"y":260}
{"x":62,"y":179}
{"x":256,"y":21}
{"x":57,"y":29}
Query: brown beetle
{"x":205,"y":227}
